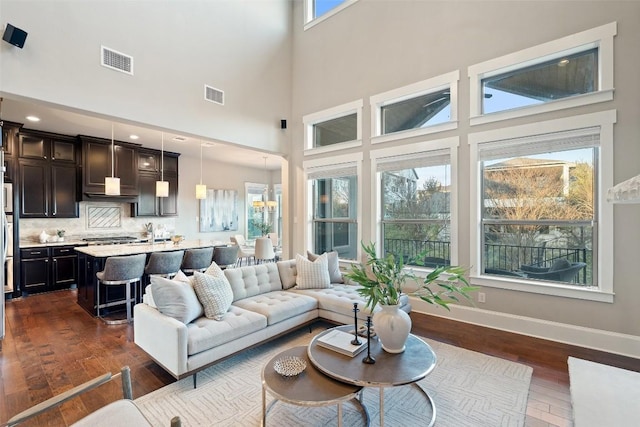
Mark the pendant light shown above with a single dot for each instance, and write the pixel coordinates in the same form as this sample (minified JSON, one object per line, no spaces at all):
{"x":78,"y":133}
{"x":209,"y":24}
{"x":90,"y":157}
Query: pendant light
{"x":201,"y":190}
{"x":162,"y":186}
{"x":265,"y":203}
{"x":112,"y":184}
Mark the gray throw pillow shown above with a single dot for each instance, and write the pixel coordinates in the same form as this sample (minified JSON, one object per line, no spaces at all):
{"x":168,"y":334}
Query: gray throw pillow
{"x":312,"y":274}
{"x":288,"y":273}
{"x":214,"y":293}
{"x":175,"y":299}
{"x":333,"y":265}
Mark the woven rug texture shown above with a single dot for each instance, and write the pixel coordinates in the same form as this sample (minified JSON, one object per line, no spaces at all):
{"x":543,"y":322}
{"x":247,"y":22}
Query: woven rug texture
{"x":469,"y":389}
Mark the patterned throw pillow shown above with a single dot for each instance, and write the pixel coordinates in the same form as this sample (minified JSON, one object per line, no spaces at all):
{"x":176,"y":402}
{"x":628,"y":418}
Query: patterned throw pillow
{"x":215,"y":271}
{"x":333,"y":264}
{"x":175,"y":299}
{"x":214,"y":293}
{"x":312,"y":274}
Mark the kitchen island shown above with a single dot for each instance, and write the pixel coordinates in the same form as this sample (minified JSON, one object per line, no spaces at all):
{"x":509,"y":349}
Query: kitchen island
{"x":91,"y":260}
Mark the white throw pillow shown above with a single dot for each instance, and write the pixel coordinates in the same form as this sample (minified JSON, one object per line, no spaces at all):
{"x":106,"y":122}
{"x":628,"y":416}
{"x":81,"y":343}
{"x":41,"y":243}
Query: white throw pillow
{"x":333,"y":265}
{"x":175,"y":299}
{"x":214,"y":293}
{"x":312,"y":274}
{"x":181,"y":277}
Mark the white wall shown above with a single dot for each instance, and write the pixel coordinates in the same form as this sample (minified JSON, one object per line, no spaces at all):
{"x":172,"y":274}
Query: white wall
{"x":374,"y":46}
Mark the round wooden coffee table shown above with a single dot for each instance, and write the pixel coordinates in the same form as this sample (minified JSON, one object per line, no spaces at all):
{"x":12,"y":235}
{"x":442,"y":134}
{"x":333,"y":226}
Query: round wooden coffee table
{"x":310,"y":388}
{"x":390,"y":370}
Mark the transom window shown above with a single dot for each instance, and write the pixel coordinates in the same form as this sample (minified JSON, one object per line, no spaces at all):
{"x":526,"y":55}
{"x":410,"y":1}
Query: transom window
{"x":564,"y":73}
{"x":333,"y":129}
{"x":319,"y":10}
{"x":420,"y":108}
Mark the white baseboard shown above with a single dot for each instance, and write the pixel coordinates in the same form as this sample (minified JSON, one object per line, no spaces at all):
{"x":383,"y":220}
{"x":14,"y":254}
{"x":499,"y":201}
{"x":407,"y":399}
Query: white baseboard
{"x":596,"y":339}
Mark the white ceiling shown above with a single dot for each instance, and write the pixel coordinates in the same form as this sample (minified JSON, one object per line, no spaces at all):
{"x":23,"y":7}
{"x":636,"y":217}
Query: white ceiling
{"x":66,"y":122}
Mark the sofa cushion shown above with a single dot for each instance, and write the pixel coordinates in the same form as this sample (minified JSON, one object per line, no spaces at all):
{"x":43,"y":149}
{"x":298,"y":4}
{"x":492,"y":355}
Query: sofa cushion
{"x":253,"y":280}
{"x":288,"y":273}
{"x":214,"y":293}
{"x":175,"y":299}
{"x":279,"y":305}
{"x":312,"y":274}
{"x":204,"y":333}
{"x":333,"y":264}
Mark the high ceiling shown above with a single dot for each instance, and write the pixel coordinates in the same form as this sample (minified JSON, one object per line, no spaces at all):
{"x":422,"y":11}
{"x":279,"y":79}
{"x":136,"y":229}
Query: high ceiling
{"x":65,"y":122}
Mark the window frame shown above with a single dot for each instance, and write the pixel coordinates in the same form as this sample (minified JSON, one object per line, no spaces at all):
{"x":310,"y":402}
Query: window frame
{"x":329,"y":114}
{"x":329,"y":164}
{"x":603,"y":233}
{"x":600,"y":37}
{"x":248,"y":187}
{"x":310,"y":21}
{"x":451,"y":144}
{"x":424,"y":87}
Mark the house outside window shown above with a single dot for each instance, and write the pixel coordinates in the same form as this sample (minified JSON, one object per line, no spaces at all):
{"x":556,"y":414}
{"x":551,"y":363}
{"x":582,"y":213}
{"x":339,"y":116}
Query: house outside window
{"x":542,"y":223}
{"x":333,"y":129}
{"x":333,"y":205}
{"x":417,"y":209}
{"x":420,"y":108}
{"x":569,"y":72}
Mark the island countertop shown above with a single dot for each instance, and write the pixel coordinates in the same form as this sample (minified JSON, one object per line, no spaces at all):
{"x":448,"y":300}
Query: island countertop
{"x":104,"y":251}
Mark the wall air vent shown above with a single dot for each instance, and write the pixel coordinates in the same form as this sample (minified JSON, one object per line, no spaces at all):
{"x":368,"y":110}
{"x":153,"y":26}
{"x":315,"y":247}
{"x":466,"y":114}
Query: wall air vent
{"x":116,"y":60}
{"x":214,"y":95}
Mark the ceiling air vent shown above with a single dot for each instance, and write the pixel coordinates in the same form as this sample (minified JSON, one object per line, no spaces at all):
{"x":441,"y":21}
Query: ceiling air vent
{"x":214,"y":95}
{"x":117,"y":61}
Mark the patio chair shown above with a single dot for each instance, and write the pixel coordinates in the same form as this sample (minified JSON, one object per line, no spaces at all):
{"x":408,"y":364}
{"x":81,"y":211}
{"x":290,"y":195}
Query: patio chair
{"x":560,"y":271}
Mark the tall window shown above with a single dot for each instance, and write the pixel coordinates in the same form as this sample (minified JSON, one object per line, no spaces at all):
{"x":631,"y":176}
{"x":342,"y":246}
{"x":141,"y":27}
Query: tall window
{"x":416,"y":207}
{"x":254,"y":216}
{"x":334,"y":209}
{"x":542,"y":223}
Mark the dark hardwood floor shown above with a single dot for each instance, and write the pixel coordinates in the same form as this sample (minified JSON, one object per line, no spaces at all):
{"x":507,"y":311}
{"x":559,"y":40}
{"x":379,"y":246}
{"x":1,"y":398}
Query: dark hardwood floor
{"x":52,"y":345}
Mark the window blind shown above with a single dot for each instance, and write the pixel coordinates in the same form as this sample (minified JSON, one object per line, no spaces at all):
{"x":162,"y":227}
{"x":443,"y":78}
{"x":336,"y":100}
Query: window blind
{"x":414,"y":160}
{"x":332,"y":171}
{"x":540,"y":144}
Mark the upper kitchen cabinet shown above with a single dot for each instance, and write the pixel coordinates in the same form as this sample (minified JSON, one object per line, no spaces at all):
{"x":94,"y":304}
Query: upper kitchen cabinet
{"x":47,"y":176}
{"x":152,"y":165}
{"x":9,"y":136}
{"x":96,"y":165}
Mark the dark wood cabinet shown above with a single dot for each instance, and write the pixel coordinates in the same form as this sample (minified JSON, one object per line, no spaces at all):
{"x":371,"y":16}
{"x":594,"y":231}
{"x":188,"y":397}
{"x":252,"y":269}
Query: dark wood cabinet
{"x":148,"y":160}
{"x":48,"y":174}
{"x":48,"y":268}
{"x":147,"y":203}
{"x":96,"y":163}
{"x":9,"y":136}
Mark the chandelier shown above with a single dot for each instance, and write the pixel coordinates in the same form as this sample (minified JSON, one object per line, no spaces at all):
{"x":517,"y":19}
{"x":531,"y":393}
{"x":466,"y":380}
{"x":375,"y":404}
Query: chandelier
{"x":265,"y":205}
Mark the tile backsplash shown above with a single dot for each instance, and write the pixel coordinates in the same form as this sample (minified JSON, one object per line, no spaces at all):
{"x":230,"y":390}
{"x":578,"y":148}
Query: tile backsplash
{"x":96,"y":219}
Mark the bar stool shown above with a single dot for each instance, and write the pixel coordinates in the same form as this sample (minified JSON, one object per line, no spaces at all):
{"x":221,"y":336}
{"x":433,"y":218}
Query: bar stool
{"x":225,"y":256}
{"x":197,"y":259}
{"x":165,"y":264}
{"x":120,"y":270}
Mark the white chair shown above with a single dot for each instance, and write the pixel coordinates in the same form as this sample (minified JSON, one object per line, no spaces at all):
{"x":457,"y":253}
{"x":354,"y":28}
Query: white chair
{"x":264,"y":250}
{"x":276,"y":245}
{"x":244,"y":252}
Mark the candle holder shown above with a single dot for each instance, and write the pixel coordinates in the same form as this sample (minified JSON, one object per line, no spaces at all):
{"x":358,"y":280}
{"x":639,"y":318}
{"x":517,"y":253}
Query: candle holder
{"x":355,"y":340}
{"x":368,"y":359}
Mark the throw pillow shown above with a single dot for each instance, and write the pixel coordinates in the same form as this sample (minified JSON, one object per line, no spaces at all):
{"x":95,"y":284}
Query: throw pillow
{"x":214,"y":293}
{"x":333,"y":264}
{"x":215,"y":271}
{"x":175,"y":299}
{"x":312,"y":274}
{"x":288,"y":273}
{"x":181,"y":277}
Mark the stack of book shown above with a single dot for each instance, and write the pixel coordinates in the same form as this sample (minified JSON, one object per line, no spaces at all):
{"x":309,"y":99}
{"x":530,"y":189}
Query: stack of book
{"x":340,"y":341}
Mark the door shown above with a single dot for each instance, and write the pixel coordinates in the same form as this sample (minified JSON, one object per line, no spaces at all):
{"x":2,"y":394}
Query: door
{"x":34,"y":188}
{"x":63,"y":191}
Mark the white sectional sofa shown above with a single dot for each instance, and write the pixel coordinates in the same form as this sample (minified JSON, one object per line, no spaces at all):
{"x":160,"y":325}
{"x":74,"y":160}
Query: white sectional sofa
{"x":266,"y":304}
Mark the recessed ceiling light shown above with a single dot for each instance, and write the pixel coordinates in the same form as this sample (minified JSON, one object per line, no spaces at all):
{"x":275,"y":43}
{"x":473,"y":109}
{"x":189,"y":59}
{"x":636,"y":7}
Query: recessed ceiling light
{"x":207,"y":144}
{"x":33,"y":118}
{"x":179,"y":139}
{"x":134,"y":137}
{"x":563,"y":62}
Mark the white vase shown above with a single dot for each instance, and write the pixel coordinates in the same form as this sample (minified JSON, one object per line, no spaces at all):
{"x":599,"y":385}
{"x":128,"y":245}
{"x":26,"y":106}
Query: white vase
{"x":392,"y":327}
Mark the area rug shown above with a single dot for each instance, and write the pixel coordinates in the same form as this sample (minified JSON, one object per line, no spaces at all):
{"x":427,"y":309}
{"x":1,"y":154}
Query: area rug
{"x":469,"y":389}
{"x":603,"y":395}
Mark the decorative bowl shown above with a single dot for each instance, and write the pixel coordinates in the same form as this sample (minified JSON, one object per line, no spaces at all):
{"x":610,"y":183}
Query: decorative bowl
{"x":289,"y":366}
{"x":177,"y":239}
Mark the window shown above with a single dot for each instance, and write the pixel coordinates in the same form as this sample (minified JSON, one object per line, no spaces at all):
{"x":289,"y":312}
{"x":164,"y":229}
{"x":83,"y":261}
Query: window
{"x":333,"y":129}
{"x":541,"y":219}
{"x":319,"y":10}
{"x":568,"y":72}
{"x":425,"y":107}
{"x":417,"y":202}
{"x":334,"y":200}
{"x":255,"y":193}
